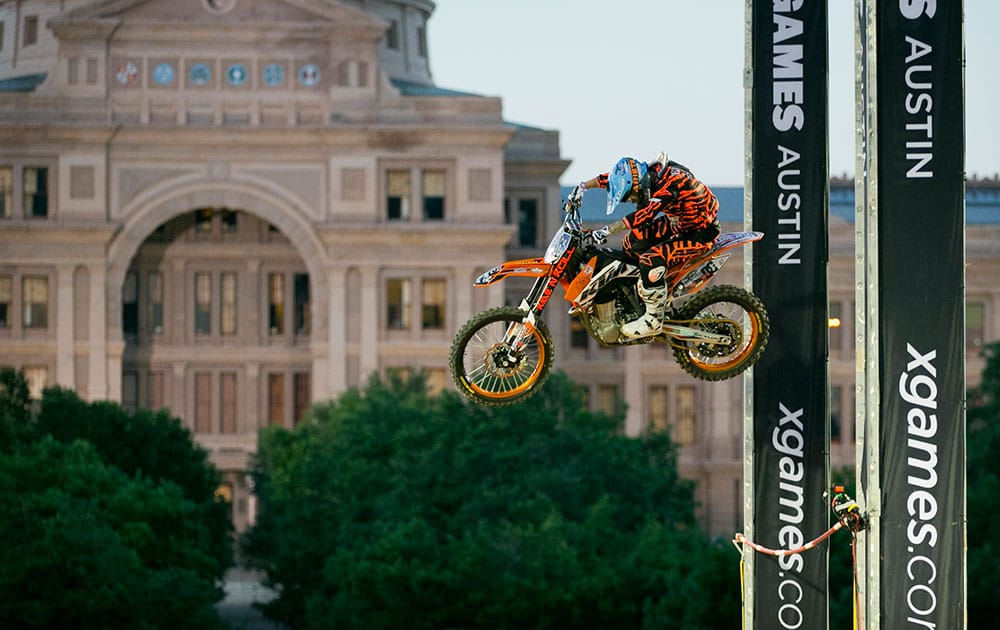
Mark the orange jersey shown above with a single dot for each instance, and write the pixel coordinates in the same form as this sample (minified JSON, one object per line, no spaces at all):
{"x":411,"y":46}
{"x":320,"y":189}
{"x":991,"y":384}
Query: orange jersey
{"x":677,"y":193}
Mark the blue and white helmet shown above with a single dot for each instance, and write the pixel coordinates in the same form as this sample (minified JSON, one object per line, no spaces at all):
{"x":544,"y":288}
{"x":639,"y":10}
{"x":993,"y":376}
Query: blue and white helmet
{"x":623,"y":179}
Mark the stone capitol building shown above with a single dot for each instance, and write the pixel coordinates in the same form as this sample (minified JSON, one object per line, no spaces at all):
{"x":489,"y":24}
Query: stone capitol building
{"x":232,"y":209}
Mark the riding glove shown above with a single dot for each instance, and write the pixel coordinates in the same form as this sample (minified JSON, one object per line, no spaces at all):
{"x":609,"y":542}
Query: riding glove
{"x":600,"y":235}
{"x":576,"y":195}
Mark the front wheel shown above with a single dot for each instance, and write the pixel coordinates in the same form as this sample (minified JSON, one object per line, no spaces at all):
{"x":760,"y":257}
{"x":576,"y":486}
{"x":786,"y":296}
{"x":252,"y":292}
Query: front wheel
{"x":725,"y":310}
{"x":482,"y":365}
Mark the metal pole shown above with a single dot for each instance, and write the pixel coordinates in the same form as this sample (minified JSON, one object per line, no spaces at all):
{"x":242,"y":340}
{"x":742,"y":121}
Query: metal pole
{"x":866,"y":311}
{"x":747,"y":569}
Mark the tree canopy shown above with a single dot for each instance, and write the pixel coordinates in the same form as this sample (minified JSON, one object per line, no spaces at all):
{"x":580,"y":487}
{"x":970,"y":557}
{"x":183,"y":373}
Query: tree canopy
{"x":109,"y":518}
{"x":392,"y":508}
{"x":983,"y":494}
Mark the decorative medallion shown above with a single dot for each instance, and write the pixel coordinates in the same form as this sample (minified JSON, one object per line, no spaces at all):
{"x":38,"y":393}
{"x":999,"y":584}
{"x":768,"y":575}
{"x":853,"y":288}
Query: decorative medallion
{"x":236,"y":74}
{"x":273,"y":74}
{"x":219,"y":6}
{"x":200,"y":74}
{"x":163,"y":73}
{"x":127,"y":73}
{"x":309,"y":75}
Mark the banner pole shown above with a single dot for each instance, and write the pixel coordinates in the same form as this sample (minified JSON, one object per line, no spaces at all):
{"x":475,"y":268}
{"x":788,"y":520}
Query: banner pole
{"x":866,"y":311}
{"x":749,"y":492}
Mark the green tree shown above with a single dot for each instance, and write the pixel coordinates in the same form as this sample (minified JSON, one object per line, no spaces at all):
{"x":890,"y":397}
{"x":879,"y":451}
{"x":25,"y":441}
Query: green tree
{"x":983,"y":494}
{"x":392,"y":508}
{"x":109,"y":518}
{"x":84,"y":545}
{"x":152,"y":444}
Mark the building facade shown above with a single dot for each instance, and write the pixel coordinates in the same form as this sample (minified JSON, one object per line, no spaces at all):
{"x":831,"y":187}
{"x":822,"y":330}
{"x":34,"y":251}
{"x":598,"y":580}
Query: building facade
{"x":234,"y":208}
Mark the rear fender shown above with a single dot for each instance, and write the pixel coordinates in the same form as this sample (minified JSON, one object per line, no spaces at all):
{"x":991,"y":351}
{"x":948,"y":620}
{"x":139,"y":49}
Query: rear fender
{"x":697,"y":272}
{"x":526,"y":267}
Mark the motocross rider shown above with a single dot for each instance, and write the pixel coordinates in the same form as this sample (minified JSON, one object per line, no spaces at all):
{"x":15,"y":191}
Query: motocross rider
{"x":675,"y":219}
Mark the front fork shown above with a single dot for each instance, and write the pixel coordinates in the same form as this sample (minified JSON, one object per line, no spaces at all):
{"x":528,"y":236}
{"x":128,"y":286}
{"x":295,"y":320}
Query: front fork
{"x":519,"y":333}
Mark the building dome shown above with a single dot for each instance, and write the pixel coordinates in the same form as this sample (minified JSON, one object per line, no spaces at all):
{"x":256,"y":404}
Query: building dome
{"x":403,"y":52}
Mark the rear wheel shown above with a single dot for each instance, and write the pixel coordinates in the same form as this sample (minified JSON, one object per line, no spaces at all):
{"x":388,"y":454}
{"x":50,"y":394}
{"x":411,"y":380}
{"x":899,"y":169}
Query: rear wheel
{"x":730,"y":311}
{"x":482,"y":365}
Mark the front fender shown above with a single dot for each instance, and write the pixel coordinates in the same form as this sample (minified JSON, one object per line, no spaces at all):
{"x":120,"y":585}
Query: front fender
{"x":529,"y":267}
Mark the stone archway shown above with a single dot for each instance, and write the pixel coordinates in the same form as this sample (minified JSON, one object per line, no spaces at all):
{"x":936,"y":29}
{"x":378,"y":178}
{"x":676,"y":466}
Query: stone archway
{"x":147,"y":214}
{"x":235,"y":375}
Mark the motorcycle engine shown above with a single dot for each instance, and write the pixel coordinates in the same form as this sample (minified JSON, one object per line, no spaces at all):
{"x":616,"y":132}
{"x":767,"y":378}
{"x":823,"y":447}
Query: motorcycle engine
{"x":605,"y":324}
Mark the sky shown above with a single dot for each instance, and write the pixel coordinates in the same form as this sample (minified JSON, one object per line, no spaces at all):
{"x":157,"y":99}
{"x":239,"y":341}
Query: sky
{"x":588,"y":69}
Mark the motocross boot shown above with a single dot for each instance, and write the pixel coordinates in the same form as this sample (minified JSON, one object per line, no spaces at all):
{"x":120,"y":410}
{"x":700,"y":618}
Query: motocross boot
{"x":650,"y":322}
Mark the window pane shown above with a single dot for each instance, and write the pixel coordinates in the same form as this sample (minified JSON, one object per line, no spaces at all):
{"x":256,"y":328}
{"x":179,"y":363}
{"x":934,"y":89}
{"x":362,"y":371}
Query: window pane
{"x":392,"y":35}
{"x":202,"y":303}
{"x":202,"y":402}
{"x":397,"y":303}
{"x":975,"y":317}
{"x":422,"y":41}
{"x":203,"y":220}
{"x":6,"y":295}
{"x":227,"y":402}
{"x":276,"y":399}
{"x":836,"y":325}
{"x":276,"y":303}
{"x":300,"y":402}
{"x":229,"y":224}
{"x":130,"y":304}
{"x":684,"y":431}
{"x":607,"y":399}
{"x":397,"y":200}
{"x":30,"y":30}
{"x":130,"y":390}
{"x":154,"y":297}
{"x":527,"y":222}
{"x":36,"y":192}
{"x":434,"y":303}
{"x":433,"y":190}
{"x":38,"y":379}
{"x":301,"y":288}
{"x":6,"y":191}
{"x":35,"y":296}
{"x":155,"y":395}
{"x":656,"y":411}
{"x":437,"y":380}
{"x":578,"y":337}
{"x":836,"y":393}
{"x":227,"y":320}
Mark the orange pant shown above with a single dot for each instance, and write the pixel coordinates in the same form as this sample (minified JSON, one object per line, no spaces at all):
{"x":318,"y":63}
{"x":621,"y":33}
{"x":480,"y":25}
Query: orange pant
{"x":658,"y":249}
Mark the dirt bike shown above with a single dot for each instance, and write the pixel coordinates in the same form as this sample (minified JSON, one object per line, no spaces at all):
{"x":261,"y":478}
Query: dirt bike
{"x":502,"y":355}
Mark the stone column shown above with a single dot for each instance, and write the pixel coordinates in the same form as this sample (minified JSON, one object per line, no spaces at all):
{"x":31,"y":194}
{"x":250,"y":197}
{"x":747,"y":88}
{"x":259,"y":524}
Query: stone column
{"x":115,"y":350}
{"x":65,"y":368}
{"x":251,"y":330}
{"x":177,"y":389}
{"x":370,"y":321}
{"x":178,"y":305}
{"x":634,"y":422}
{"x":251,"y":421}
{"x":336,"y":336}
{"x":97,"y":387}
{"x":463,"y":295}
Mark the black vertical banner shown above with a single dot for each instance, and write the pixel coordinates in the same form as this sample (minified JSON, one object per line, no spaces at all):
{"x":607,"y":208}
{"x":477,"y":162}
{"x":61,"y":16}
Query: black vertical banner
{"x":790,"y":205}
{"x":921,"y":250}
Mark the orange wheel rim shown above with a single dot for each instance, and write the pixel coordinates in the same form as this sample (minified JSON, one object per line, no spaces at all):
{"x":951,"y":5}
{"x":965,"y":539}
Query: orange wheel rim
{"x":721,"y":367}
{"x":522,"y":387}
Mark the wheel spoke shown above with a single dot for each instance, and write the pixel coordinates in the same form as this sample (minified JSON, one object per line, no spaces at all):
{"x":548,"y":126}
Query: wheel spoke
{"x":483,"y":365}
{"x":480,"y":364}
{"x":727,"y":318}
